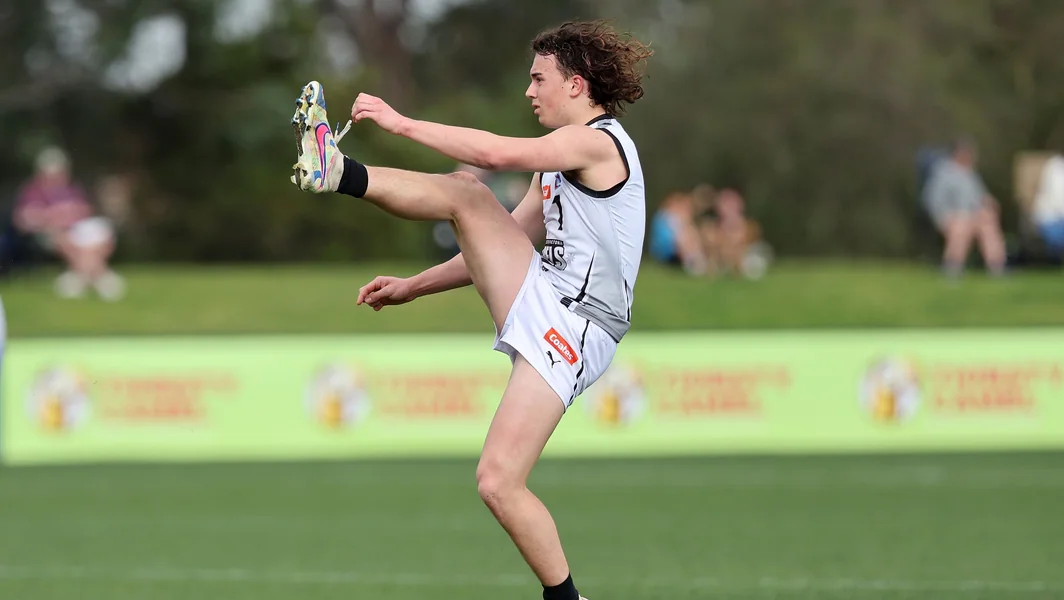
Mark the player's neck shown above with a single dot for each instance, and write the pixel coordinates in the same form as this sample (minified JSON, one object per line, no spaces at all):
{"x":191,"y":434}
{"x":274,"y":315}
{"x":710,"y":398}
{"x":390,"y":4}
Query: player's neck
{"x":583,"y":117}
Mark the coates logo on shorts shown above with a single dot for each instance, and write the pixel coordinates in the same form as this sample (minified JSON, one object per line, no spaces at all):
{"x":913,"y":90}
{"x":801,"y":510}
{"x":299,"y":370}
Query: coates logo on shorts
{"x":560,"y":344}
{"x":58,"y":399}
{"x":337,"y":397}
{"x":618,"y":397}
{"x":890,"y":390}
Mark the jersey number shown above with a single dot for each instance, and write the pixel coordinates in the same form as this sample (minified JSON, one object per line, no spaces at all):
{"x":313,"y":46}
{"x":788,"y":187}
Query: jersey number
{"x":561,"y":217}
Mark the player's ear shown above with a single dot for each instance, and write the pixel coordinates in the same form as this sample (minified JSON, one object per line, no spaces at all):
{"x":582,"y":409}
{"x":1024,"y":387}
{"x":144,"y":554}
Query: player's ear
{"x":577,"y":86}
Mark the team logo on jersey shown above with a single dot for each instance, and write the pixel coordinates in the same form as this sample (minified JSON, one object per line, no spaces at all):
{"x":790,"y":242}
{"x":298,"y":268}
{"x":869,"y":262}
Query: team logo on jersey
{"x":561,"y":345}
{"x":546,"y":192}
{"x":554,"y":254}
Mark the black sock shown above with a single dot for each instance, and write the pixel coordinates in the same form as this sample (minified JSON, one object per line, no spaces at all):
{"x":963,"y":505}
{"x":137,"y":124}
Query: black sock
{"x":563,"y":591}
{"x":355,"y":179}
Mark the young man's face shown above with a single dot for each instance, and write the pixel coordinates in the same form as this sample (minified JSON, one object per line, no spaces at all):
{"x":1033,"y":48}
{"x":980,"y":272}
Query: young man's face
{"x":549,"y":92}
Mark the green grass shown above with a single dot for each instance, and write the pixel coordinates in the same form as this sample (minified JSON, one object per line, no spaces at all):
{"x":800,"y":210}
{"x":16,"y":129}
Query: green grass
{"x":947,"y":527}
{"x":321,"y":299}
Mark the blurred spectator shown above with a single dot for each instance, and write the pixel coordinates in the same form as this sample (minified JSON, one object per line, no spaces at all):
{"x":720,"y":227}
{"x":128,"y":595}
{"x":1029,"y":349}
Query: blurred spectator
{"x":57,"y":213}
{"x":705,"y":198}
{"x":1048,"y":209}
{"x":733,"y":241}
{"x":674,"y":238}
{"x":963,"y":210}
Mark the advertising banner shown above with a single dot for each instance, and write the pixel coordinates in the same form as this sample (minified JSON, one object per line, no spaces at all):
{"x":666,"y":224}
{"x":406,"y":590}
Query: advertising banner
{"x":193,"y":399}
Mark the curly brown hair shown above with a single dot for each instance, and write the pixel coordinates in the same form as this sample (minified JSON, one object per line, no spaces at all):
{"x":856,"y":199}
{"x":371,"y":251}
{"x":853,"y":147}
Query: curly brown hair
{"x":606,"y":59}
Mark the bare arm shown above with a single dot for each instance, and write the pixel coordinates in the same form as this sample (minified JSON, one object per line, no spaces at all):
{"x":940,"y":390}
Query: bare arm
{"x":529,"y":213}
{"x":28,"y":217}
{"x":569,"y":148}
{"x":444,"y":276}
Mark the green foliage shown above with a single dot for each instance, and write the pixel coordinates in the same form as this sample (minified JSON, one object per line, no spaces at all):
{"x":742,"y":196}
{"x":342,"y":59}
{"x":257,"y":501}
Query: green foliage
{"x":814,"y":109}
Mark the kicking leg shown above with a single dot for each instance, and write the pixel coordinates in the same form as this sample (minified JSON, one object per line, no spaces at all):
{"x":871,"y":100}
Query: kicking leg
{"x":527,"y":416}
{"x":495,"y":248}
{"x":496,"y":251}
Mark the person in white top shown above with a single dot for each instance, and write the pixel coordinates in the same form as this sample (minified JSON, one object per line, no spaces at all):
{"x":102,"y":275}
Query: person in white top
{"x":1048,"y":210}
{"x":558,"y":314}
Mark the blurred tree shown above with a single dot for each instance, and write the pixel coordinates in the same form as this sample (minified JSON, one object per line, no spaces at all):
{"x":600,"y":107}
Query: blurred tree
{"x":377,"y":28}
{"x":814,"y":109}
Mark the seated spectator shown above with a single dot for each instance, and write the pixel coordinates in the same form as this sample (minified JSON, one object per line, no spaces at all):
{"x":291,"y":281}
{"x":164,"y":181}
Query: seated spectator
{"x":1048,"y":209}
{"x":729,"y":235}
{"x":704,"y":198}
{"x":963,"y":210}
{"x":56,"y":211}
{"x":674,"y":238}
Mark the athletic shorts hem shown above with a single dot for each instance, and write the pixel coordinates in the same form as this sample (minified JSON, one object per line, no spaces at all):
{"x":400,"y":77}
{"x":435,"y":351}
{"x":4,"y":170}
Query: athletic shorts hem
{"x":567,"y":350}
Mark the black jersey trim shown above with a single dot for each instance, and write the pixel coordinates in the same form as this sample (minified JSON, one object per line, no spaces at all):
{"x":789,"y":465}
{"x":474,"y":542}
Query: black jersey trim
{"x":602,"y":194}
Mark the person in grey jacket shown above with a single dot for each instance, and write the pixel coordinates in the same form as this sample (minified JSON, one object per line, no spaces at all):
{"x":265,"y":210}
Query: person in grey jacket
{"x":963,"y":210}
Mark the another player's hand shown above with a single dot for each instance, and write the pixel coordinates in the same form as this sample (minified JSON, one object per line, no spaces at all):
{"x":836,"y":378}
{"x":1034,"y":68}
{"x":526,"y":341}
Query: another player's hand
{"x":377,"y":110}
{"x":386,"y":291}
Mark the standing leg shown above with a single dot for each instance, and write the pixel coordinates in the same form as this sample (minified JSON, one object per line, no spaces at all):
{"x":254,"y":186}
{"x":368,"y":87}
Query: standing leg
{"x":527,"y":416}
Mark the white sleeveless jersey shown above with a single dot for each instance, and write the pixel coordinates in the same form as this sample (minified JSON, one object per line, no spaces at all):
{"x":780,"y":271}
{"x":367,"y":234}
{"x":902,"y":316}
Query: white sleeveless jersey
{"x":594,"y":240}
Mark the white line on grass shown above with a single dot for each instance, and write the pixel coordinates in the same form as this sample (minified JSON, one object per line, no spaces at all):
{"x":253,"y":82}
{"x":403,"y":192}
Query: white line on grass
{"x":778,"y":478}
{"x":245,"y":575}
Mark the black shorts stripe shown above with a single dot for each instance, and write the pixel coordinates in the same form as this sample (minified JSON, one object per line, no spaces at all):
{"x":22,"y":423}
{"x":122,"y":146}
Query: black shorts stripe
{"x":587,"y":280}
{"x":627,"y":301}
{"x":583,"y":336}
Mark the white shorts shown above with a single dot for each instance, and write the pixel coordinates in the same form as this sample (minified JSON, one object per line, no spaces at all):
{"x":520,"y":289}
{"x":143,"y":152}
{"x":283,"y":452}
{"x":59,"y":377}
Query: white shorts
{"x":569,"y":351}
{"x":91,"y":232}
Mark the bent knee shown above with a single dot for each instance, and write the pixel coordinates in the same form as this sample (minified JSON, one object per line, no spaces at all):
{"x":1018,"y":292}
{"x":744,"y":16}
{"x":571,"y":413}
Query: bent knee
{"x":495,"y":483}
{"x":465,"y":176}
{"x":470,"y":194}
{"x":469,"y":184}
{"x":988,"y":220}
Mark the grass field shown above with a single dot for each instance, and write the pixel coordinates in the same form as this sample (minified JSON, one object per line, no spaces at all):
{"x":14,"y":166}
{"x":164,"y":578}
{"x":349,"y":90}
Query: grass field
{"x":929,"y":527}
{"x":886,"y":528}
{"x":321,"y":299}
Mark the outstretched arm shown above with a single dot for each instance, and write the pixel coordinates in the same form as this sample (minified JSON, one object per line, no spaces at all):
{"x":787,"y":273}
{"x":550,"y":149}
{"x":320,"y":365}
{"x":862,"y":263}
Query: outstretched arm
{"x":568,"y":148}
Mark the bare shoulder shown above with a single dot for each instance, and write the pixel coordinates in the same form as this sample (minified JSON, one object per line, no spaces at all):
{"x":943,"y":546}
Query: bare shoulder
{"x":591,"y":144}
